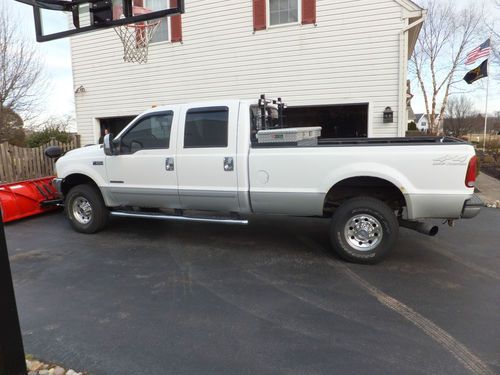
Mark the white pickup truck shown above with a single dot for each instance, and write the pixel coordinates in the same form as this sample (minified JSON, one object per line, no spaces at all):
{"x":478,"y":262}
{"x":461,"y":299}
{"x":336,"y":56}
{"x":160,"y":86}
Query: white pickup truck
{"x":206,"y":162}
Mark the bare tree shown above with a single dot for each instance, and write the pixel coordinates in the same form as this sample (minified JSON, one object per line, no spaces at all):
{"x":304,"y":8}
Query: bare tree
{"x":461,"y":116}
{"x":62,"y":123}
{"x":495,"y":32}
{"x":446,"y":37}
{"x":22,"y":80}
{"x":495,"y":126}
{"x":51,"y":128}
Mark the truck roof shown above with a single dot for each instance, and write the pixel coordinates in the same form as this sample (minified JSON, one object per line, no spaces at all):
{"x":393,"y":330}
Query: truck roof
{"x":212,"y":103}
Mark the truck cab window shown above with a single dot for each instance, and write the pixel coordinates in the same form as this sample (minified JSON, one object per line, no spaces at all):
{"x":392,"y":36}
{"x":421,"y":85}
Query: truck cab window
{"x":150,"y":133}
{"x":206,"y":127}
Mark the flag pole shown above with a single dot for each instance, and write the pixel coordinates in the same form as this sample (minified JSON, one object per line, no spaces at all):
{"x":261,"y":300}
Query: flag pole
{"x":486,"y":110}
{"x":487,"y":97}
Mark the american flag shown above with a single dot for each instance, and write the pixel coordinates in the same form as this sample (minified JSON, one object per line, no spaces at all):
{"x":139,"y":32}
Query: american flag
{"x":482,"y":51}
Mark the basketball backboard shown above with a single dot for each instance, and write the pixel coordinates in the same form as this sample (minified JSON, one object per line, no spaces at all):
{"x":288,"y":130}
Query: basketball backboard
{"x":55,"y":19}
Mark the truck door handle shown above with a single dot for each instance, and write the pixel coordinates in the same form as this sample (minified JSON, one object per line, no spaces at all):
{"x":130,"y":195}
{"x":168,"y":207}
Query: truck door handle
{"x":169,"y":164}
{"x":228,"y":164}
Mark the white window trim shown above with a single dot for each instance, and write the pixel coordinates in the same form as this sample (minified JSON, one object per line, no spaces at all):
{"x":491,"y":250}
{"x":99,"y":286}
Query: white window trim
{"x":169,"y":34}
{"x":268,"y":16}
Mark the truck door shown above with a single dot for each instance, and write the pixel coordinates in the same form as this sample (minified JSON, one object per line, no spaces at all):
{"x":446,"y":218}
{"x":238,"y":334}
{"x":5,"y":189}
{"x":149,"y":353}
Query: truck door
{"x":206,"y":158}
{"x":143,"y":174}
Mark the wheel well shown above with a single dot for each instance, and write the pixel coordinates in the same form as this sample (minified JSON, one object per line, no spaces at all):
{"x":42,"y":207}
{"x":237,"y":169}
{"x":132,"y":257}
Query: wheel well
{"x":74,"y":180}
{"x":363,"y":186}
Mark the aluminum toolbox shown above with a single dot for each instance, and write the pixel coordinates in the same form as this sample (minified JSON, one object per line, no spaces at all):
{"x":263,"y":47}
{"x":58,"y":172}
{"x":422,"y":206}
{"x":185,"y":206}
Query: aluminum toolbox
{"x":301,"y":136}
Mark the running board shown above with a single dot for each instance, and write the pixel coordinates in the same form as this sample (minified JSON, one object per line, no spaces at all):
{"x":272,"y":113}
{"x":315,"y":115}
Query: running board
{"x":151,"y":215}
{"x":52,"y":203}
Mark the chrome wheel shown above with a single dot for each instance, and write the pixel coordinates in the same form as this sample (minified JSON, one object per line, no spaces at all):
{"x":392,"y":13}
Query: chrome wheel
{"x":363,"y":232}
{"x":82,"y":210}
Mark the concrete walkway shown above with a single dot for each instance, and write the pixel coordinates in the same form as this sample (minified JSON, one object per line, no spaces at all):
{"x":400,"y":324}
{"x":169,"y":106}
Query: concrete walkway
{"x":489,"y":188}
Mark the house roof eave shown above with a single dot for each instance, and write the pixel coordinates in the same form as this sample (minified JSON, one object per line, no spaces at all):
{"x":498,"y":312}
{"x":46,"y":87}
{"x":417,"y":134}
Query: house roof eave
{"x":409,"y":5}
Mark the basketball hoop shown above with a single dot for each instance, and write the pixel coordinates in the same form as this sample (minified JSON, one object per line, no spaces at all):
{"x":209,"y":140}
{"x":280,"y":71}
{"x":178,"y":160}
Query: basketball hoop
{"x":135,"y":39}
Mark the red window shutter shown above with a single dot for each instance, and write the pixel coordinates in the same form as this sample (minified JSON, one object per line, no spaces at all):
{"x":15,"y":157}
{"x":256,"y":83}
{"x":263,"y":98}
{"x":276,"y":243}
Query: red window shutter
{"x":175,"y":25}
{"x":308,"y":12}
{"x":259,"y":15}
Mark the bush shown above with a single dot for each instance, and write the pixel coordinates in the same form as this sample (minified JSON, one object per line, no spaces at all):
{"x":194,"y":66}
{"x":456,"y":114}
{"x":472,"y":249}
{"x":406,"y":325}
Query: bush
{"x":11,"y":127}
{"x":40,"y":138}
{"x":492,"y":146}
{"x":488,"y":160}
{"x":412,"y":126}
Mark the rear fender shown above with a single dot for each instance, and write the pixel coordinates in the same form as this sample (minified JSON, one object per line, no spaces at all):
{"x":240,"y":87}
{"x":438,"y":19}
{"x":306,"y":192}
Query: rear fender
{"x":381,"y":171}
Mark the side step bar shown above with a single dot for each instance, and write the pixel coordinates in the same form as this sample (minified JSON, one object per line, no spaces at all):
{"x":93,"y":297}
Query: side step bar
{"x":199,"y":219}
{"x":52,"y":203}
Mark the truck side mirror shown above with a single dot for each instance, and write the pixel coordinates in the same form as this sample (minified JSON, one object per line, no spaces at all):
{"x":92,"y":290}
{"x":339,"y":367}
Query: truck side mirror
{"x":108,"y":145}
{"x":54,"y":152}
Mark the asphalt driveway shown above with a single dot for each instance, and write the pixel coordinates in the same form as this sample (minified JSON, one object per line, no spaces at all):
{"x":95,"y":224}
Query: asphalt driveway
{"x":147,"y":297}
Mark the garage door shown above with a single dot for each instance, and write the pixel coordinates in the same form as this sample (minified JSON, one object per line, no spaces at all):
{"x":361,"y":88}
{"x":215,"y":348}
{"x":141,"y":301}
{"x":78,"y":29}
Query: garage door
{"x":337,"y":121}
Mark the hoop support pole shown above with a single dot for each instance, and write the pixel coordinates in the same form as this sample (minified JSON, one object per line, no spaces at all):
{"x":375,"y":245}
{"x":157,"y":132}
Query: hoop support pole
{"x":12,"y":360}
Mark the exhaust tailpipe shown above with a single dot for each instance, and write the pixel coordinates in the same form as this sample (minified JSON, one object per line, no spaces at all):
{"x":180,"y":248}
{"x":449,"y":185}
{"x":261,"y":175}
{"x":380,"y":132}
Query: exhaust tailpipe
{"x":424,"y":228}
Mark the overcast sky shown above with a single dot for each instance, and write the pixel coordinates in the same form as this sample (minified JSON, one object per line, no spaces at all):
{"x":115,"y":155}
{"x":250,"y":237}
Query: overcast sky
{"x":57,"y":57}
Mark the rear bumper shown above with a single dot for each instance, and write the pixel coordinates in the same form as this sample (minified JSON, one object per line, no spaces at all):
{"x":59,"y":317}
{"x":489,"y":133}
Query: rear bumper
{"x":472,"y":207}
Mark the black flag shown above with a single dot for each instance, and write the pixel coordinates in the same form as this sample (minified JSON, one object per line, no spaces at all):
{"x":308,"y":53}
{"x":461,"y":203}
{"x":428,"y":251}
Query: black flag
{"x":475,"y":74}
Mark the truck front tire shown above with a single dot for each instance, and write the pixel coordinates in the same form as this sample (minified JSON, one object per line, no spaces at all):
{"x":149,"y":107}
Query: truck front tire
{"x":86,"y":210}
{"x":364,"y":230}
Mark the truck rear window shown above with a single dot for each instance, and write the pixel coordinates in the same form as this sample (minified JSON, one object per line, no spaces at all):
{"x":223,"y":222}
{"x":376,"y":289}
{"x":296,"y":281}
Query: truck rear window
{"x":206,"y":127}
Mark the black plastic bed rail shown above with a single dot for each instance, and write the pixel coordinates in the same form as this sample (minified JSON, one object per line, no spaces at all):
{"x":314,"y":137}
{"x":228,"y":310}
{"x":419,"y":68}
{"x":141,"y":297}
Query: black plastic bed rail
{"x":393,"y":140}
{"x":342,"y":142}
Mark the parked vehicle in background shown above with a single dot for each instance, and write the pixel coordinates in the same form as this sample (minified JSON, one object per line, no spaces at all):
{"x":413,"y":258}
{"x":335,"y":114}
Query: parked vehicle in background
{"x":227,"y":160}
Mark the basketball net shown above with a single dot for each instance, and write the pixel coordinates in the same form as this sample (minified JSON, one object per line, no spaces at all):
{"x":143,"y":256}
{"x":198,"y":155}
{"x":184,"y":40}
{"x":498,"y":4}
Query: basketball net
{"x":136,"y":38}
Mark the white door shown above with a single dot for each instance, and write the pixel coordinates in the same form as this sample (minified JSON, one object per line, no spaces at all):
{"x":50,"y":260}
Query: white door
{"x":144,"y":172}
{"x":206,"y":158}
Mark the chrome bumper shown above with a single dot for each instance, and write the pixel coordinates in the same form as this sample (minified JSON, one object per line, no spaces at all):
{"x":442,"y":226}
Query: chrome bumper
{"x":57,"y":183}
{"x":472,"y":207}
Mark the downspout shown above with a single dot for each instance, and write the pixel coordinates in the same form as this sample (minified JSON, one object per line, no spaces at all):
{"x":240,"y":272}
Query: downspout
{"x":403,"y":73}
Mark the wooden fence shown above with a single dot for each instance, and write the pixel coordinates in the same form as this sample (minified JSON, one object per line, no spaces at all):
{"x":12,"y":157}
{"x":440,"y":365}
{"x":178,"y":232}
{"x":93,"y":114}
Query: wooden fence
{"x":19,"y":163}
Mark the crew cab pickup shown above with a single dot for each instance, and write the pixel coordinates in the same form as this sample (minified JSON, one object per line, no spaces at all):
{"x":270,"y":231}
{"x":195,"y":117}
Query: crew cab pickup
{"x":224,"y":161}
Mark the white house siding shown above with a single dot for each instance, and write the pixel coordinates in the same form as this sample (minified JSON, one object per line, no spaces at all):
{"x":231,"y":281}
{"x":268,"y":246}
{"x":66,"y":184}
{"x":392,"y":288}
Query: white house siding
{"x":353,"y":55}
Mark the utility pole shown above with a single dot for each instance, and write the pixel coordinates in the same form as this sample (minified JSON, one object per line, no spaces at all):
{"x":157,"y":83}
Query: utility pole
{"x":12,"y":360}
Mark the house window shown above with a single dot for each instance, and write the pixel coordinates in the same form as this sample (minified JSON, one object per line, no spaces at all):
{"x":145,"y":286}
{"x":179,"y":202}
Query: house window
{"x":161,"y":33}
{"x":424,"y":124}
{"x":283,"y":12}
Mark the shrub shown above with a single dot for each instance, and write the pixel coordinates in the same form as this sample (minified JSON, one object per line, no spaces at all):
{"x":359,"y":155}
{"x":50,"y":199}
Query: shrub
{"x":412,"y":126}
{"x":488,"y":160}
{"x":492,"y":146}
{"x":42,"y":137}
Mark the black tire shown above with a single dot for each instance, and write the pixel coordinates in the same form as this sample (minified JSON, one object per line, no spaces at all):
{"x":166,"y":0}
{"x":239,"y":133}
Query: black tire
{"x":98,"y":215}
{"x":364,"y":230}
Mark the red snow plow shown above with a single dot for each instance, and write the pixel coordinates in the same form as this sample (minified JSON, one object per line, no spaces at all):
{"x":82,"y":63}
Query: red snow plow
{"x":27,"y":198}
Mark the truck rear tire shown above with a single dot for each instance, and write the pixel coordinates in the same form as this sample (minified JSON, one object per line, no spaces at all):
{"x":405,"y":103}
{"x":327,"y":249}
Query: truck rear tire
{"x":86,"y":210}
{"x":364,"y":230}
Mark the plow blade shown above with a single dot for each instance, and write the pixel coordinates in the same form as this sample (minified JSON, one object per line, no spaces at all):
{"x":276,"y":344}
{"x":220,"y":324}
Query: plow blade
{"x":27,"y":198}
